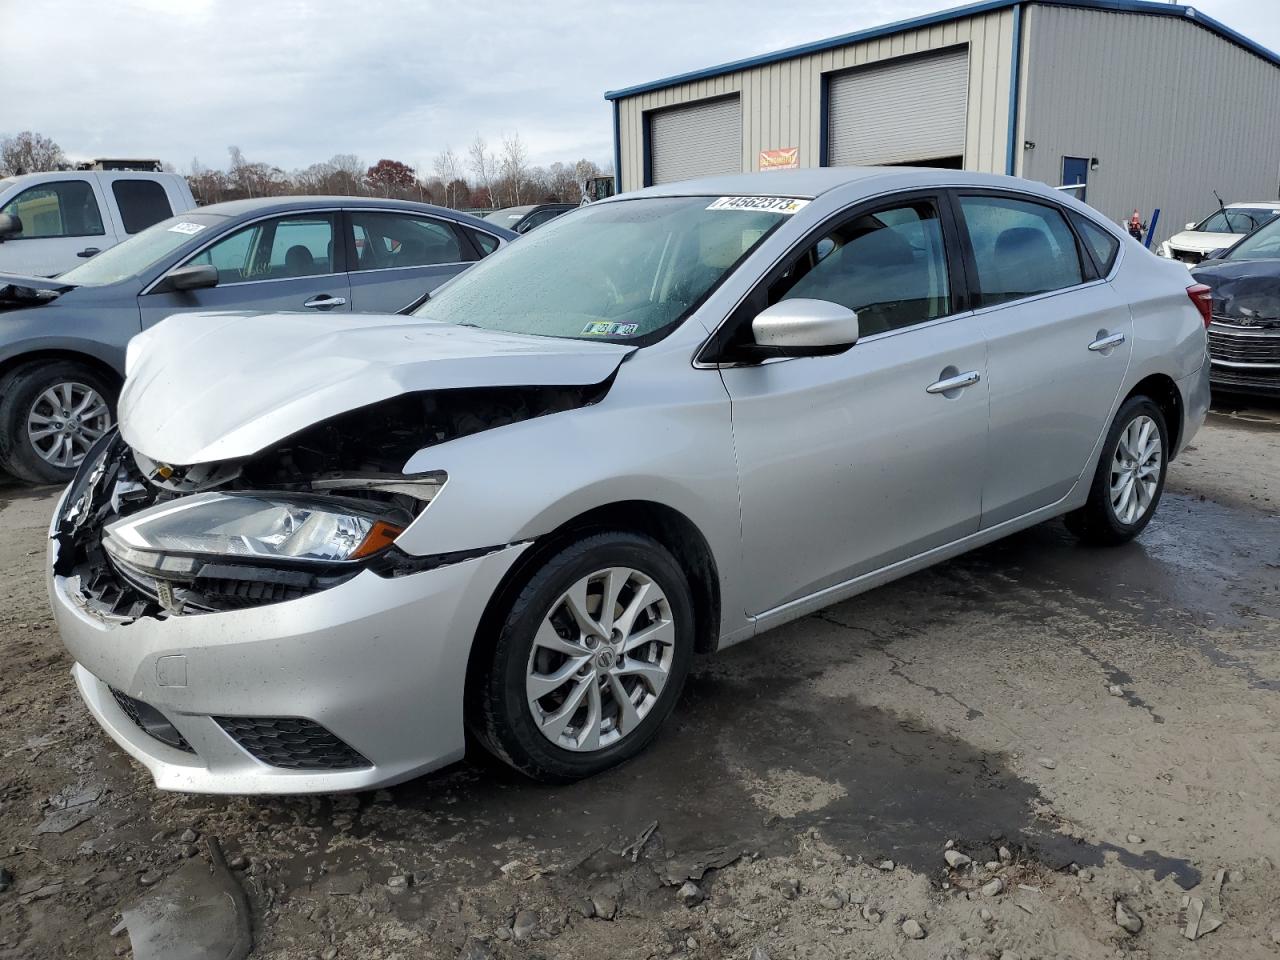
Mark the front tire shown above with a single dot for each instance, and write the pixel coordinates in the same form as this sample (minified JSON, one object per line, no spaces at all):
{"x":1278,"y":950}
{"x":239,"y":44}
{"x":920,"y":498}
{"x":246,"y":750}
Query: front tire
{"x":51,"y":413}
{"x":1129,"y":480}
{"x":589,"y":659}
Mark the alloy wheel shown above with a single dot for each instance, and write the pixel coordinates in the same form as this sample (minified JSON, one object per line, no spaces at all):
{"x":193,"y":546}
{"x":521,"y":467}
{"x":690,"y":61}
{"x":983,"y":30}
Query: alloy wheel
{"x":600,"y":660}
{"x":1135,"y":470}
{"x":65,"y":421}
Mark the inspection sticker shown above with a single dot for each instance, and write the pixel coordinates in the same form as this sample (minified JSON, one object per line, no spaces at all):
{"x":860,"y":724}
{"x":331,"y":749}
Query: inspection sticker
{"x":786,"y":205}
{"x":603,"y":328}
{"x":190,"y":229}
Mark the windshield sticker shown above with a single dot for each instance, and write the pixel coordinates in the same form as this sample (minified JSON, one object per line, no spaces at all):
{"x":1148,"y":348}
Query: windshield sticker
{"x":786,"y":205}
{"x":603,"y":328}
{"x":190,"y":229}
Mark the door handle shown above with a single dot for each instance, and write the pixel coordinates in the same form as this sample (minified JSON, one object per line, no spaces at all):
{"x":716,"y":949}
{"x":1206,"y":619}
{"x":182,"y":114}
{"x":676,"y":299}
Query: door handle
{"x":89,"y":252}
{"x":958,"y":382}
{"x":1106,"y":343}
{"x":324,"y":301}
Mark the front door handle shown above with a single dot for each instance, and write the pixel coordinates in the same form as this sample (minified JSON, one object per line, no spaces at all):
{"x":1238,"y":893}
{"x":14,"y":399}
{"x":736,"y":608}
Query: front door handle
{"x":88,"y":252}
{"x":958,"y":382}
{"x":1106,"y":343}
{"x":325,"y":302}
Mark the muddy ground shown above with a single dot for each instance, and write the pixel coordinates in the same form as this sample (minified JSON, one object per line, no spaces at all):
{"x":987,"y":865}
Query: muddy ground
{"x":1109,"y":717}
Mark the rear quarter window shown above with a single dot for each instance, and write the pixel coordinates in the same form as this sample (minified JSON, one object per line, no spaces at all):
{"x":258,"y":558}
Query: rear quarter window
{"x":1101,"y":243}
{"x":142,"y":203}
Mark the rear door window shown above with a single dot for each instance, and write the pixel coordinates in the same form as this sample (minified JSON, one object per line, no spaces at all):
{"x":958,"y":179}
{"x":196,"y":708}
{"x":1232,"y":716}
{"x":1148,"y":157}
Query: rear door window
{"x":141,"y":203}
{"x":63,"y":208}
{"x":1021,"y":248}
{"x":388,"y":240}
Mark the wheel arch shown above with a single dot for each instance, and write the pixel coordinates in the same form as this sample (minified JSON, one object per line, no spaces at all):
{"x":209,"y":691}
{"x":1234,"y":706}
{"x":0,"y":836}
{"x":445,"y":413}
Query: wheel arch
{"x":668,"y":526}
{"x":1164,"y":393}
{"x":54,"y":355}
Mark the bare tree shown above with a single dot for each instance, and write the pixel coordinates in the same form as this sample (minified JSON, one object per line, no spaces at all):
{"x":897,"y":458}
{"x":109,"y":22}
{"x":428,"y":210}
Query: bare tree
{"x":449,"y":169}
{"x":515,"y":167}
{"x":348,"y":174}
{"x":29,"y":152}
{"x":485,"y":167}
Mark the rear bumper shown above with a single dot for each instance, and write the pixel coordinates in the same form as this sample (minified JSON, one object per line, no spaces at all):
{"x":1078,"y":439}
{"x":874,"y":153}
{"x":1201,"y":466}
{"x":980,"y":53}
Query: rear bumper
{"x":378,"y":663}
{"x":1195,"y":404}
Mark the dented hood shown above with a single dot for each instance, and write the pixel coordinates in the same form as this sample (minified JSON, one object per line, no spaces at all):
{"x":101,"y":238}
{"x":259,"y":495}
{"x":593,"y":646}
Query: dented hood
{"x":1244,"y":291}
{"x":204,"y":387}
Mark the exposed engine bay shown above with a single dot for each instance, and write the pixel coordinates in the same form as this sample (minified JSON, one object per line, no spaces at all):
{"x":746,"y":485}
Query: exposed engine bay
{"x":351,"y":463}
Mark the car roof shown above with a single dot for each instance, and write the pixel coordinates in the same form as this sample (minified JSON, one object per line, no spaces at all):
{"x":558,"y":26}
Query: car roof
{"x":1256,"y":205}
{"x":813,"y":182}
{"x":260,"y":205}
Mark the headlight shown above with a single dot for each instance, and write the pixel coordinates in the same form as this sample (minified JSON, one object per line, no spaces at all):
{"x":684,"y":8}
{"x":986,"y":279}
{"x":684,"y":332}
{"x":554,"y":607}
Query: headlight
{"x":264,"y":527}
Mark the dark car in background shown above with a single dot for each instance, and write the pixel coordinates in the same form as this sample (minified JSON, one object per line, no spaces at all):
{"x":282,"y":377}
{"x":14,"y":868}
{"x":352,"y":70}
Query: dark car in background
{"x":1244,"y":337}
{"x":63,"y":340}
{"x":530,"y":216}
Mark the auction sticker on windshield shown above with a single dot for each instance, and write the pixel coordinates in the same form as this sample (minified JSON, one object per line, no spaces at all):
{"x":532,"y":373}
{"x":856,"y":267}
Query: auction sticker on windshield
{"x":603,"y":328}
{"x":760,"y":204}
{"x":190,"y":229}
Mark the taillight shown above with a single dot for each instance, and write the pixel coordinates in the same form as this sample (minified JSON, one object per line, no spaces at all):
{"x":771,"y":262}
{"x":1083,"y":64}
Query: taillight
{"x":1202,"y":297}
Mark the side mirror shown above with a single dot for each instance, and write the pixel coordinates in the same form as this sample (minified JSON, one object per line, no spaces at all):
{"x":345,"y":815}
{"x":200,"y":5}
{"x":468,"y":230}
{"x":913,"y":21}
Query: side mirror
{"x":10,"y":226}
{"x":803,"y":328}
{"x":1190,"y":226}
{"x":194,"y":276}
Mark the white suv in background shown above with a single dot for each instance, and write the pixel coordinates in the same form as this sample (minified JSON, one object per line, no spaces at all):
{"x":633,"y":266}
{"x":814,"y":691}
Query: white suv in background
{"x":1223,"y":228}
{"x":51,"y":222}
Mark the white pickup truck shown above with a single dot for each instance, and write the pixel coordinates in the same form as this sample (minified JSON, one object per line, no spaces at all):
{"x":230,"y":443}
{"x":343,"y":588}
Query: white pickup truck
{"x":50,"y":222}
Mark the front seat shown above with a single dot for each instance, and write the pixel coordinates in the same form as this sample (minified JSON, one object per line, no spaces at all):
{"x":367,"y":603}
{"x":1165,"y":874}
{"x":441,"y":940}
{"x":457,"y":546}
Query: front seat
{"x":298,"y":261}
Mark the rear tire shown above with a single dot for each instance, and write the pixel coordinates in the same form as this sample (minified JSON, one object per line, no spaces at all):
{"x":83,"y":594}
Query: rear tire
{"x":1129,"y":481}
{"x":72,"y":401}
{"x":575,"y":685}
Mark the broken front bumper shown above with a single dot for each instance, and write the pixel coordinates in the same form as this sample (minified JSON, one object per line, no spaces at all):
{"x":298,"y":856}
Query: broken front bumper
{"x":352,"y":688}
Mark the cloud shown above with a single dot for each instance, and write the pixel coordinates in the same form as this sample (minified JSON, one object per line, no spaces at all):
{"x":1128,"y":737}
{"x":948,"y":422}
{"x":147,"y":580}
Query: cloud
{"x":292,"y":82}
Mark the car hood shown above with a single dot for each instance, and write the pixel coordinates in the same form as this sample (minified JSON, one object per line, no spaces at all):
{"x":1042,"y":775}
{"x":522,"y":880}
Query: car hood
{"x":1199,"y":242}
{"x":204,"y":387}
{"x":1244,"y":291}
{"x":18,"y":291}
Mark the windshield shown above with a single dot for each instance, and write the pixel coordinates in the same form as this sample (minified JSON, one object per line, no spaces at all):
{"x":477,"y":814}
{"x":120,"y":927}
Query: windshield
{"x":1236,"y":220}
{"x":141,"y":251}
{"x":620,"y":271}
{"x":1263,"y":245}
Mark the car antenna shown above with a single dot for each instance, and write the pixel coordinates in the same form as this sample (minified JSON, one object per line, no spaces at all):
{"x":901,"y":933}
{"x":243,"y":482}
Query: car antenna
{"x":1221,"y":206}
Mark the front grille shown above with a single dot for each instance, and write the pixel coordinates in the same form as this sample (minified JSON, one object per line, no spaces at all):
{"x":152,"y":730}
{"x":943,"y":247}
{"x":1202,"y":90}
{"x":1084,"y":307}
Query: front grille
{"x":291,"y":743}
{"x":1241,"y":347}
{"x":1187,"y":256}
{"x":1262,"y":381}
{"x":151,"y":721}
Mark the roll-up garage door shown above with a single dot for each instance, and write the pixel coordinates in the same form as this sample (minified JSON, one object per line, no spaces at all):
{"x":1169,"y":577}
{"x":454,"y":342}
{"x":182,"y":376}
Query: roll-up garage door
{"x":699,"y":140}
{"x":899,"y":112}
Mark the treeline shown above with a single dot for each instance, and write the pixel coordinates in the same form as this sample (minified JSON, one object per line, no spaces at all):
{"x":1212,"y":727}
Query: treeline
{"x":480,"y":178}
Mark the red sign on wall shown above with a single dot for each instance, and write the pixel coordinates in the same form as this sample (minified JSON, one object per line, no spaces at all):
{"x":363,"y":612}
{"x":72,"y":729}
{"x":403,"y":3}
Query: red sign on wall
{"x":786,"y":158}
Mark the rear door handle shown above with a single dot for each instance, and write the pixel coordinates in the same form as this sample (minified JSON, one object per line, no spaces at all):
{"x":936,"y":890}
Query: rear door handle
{"x":958,"y":382}
{"x":324,"y":302}
{"x":89,"y":252}
{"x":1106,"y":343}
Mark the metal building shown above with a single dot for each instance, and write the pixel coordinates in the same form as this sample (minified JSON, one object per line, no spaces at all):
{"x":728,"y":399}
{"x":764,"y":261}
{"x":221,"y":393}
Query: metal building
{"x":1146,"y":105}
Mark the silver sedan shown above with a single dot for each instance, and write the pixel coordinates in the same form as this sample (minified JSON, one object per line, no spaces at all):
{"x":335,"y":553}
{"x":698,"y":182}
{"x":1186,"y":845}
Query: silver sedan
{"x":323,"y":548}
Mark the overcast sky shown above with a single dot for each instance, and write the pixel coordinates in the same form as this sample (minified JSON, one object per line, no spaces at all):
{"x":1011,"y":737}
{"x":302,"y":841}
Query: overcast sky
{"x":292,"y":82}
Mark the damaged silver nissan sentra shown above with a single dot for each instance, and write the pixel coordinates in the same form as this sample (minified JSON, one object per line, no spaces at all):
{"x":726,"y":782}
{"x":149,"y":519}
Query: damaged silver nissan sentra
{"x":321,"y":549}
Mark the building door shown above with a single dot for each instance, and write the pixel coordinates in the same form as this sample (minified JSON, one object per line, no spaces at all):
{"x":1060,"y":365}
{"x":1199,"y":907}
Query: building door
{"x":906,"y":110}
{"x":698,"y":140}
{"x":1075,"y":173}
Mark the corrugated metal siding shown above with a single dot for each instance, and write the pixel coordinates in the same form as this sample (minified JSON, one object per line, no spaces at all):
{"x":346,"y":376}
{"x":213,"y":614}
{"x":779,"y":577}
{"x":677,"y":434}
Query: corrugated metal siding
{"x":904,"y":110}
{"x":781,"y":102}
{"x":1171,"y":111}
{"x":699,"y":140}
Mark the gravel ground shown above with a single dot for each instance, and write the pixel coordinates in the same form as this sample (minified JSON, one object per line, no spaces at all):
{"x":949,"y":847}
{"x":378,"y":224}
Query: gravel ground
{"x":1097,"y":733}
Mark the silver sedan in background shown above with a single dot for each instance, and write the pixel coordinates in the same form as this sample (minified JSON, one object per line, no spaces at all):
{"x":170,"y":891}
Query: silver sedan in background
{"x":322,"y":548}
